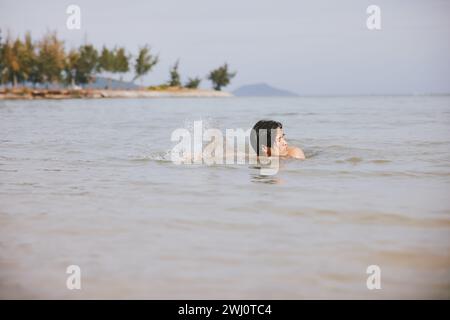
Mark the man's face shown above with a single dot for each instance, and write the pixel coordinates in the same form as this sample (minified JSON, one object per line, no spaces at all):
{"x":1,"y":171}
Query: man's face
{"x":279,"y":146}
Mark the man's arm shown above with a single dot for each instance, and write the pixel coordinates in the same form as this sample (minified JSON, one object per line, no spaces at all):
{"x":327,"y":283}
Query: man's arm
{"x":296,"y":153}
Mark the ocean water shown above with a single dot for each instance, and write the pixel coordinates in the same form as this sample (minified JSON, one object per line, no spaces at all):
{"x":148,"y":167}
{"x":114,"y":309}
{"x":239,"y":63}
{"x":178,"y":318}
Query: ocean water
{"x":90,"y":183}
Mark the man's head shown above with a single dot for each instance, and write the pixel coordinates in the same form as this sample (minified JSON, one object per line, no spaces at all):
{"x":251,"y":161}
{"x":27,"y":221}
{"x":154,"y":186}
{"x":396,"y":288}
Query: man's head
{"x":267,"y":138}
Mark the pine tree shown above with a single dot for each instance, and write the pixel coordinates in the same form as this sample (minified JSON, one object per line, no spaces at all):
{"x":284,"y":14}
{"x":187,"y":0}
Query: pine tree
{"x":50,"y":58}
{"x":220,"y":77}
{"x":144,"y":62}
{"x":175,"y":76}
{"x":121,"y":64}
{"x":87,"y":64}
{"x":193,"y":83}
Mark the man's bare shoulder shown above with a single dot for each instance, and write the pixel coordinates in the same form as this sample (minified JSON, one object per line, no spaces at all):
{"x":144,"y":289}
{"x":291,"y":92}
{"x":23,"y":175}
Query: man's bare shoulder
{"x":296,"y":153}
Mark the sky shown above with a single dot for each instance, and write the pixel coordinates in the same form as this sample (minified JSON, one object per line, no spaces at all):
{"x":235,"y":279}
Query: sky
{"x":309,"y":47}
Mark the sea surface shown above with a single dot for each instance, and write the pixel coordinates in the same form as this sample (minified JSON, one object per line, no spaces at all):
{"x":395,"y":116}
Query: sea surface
{"x":91,"y":183}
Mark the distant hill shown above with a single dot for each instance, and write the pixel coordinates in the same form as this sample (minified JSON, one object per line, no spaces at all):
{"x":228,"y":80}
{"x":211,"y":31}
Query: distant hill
{"x":262,"y":90}
{"x":102,"y":83}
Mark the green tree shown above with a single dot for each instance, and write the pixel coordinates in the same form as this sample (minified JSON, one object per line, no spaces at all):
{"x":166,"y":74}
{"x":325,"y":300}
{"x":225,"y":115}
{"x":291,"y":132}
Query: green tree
{"x":220,"y":77}
{"x":87,"y":64}
{"x":28,"y":61}
{"x":4,"y":70}
{"x":50,"y":58}
{"x":175,"y":76}
{"x":144,"y":62}
{"x":2,"y":61}
{"x":106,"y":60}
{"x":106,"y":63}
{"x":193,"y":83}
{"x":121,"y":64}
{"x":71,"y":67}
{"x":10,"y":61}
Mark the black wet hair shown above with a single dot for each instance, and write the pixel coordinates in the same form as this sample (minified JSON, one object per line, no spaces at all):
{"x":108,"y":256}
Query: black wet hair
{"x":267,"y":125}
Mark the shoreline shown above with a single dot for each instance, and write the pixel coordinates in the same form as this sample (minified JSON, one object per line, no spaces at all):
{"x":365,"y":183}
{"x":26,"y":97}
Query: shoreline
{"x":58,"y":94}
